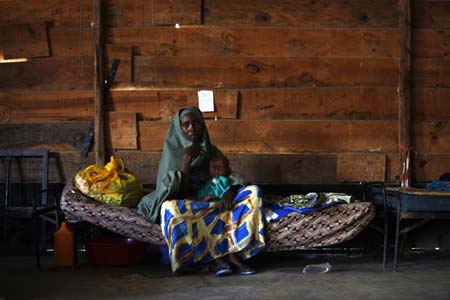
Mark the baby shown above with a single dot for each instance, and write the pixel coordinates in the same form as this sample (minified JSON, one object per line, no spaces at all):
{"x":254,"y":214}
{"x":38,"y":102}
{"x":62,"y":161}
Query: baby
{"x":219,"y":184}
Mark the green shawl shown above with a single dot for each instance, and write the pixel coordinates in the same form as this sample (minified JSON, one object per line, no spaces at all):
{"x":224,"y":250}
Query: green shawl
{"x":171,"y":183}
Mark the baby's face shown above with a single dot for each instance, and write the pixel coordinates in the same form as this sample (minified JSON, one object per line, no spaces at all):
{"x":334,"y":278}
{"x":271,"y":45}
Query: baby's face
{"x":218,"y":168}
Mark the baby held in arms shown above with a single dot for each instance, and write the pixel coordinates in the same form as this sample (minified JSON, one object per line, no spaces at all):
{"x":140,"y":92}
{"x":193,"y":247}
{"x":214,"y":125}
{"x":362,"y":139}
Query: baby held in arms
{"x":219,"y":184}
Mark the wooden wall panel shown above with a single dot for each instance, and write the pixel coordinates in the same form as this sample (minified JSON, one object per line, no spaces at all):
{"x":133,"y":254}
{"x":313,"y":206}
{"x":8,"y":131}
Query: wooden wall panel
{"x":287,"y":136}
{"x":257,"y":168}
{"x":258,"y":42}
{"x":264,"y":72}
{"x":304,"y":13}
{"x":162,"y":104}
{"x":431,"y":43}
{"x":431,"y":72}
{"x":122,"y":130}
{"x":32,"y":107}
{"x":319,"y":103}
{"x":67,"y":136}
{"x":431,"y":103}
{"x":431,"y":14}
{"x":176,"y":11}
{"x":59,"y":13}
{"x":23,"y":40}
{"x":357,"y":167}
{"x":123,"y":53}
{"x":47,"y":74}
{"x":70,"y":41}
{"x":260,"y":168}
{"x":432,"y":137}
{"x":124,"y":12}
{"x":430,"y":167}
{"x":284,"y":168}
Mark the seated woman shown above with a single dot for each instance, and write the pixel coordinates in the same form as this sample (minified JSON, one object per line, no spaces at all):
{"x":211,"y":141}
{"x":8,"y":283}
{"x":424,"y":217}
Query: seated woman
{"x":225,"y":232}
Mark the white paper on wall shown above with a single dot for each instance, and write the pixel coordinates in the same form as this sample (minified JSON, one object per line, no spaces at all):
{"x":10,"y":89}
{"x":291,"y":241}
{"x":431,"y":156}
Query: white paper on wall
{"x":206,"y":101}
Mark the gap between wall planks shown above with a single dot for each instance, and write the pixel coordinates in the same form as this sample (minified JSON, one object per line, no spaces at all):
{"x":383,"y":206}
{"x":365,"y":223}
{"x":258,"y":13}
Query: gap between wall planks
{"x":404,"y":86}
{"x":99,"y":126}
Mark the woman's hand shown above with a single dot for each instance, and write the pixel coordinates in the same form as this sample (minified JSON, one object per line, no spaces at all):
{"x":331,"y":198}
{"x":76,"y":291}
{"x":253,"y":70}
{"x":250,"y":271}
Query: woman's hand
{"x":190,"y":152}
{"x":227,"y":201}
{"x":208,"y":198}
{"x":193,"y":150}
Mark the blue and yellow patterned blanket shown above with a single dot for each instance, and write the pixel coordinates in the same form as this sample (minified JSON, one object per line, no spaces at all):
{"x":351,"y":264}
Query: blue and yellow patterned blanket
{"x":198,"y":232}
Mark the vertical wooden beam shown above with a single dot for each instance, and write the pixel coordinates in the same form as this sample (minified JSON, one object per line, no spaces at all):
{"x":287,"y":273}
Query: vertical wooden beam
{"x":99,"y":126}
{"x":404,"y":88}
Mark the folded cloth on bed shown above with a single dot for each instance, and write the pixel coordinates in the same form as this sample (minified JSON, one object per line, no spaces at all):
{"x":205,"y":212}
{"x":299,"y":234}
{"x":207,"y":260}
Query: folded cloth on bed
{"x":303,"y":204}
{"x":439,"y":186}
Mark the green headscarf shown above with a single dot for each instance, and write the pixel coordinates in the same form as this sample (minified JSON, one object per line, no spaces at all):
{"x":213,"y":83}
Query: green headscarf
{"x":171,"y":182}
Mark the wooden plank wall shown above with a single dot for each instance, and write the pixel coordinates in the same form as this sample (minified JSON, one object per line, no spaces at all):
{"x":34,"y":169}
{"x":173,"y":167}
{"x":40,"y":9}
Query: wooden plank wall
{"x":300,"y":85}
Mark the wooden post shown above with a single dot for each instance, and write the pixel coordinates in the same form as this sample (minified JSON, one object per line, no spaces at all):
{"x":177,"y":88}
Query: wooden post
{"x":404,"y":90}
{"x":99,"y":126}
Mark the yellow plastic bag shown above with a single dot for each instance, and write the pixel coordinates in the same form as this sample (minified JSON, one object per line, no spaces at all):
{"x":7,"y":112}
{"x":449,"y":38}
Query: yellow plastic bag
{"x":110,"y":184}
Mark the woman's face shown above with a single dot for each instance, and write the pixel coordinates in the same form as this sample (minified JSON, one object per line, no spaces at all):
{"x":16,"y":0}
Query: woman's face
{"x":191,"y":127}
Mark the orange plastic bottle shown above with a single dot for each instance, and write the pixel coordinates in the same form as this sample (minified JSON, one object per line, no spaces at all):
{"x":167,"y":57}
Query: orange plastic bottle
{"x":64,"y":246}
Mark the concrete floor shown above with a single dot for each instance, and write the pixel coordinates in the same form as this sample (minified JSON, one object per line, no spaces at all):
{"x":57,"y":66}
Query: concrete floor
{"x":279,"y":277}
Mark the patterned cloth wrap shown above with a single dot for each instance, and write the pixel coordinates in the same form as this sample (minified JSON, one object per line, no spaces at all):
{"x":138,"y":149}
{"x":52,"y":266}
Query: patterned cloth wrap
{"x":197,"y":232}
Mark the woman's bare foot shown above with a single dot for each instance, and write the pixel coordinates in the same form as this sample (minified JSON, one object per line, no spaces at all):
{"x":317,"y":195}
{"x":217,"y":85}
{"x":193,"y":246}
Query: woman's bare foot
{"x":238,"y":265}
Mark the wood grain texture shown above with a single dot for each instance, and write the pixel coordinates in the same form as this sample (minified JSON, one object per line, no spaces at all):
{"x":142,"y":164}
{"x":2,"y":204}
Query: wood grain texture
{"x":72,"y":13}
{"x":70,"y":41}
{"x":304,"y":13}
{"x":287,"y":136}
{"x":257,"y":41}
{"x":121,"y":130}
{"x":269,"y":168}
{"x":318,"y":103}
{"x":430,"y":167}
{"x":432,"y":137}
{"x":431,"y":14}
{"x":32,"y":107}
{"x":431,"y":72}
{"x":361,"y":167}
{"x":56,"y":12}
{"x":264,"y":72}
{"x":431,"y":43}
{"x":170,"y":12}
{"x":162,"y":104}
{"x":23,"y":40}
{"x":66,"y":136}
{"x":431,"y":104}
{"x":123,"y":53}
{"x":154,"y":104}
{"x":47,"y":74}
{"x":124,"y":13}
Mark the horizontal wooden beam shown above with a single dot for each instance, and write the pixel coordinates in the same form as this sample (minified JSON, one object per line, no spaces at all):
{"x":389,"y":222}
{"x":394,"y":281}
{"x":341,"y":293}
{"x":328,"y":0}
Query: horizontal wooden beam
{"x":47,"y":74}
{"x":264,"y":72}
{"x":257,"y":42}
{"x":287,"y":136}
{"x":304,"y":13}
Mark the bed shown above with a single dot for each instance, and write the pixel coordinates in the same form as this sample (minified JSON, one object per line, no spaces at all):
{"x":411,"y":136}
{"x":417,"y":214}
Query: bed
{"x":330,"y":226}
